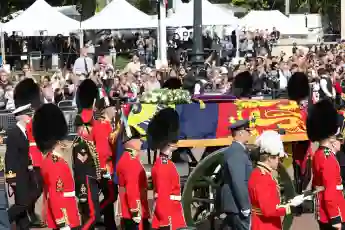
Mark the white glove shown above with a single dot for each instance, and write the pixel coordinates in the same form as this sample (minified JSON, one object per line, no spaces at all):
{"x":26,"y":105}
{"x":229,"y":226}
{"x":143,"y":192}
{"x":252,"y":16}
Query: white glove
{"x":136,"y":219}
{"x":65,"y":228}
{"x":245,"y":213}
{"x":297,"y":200}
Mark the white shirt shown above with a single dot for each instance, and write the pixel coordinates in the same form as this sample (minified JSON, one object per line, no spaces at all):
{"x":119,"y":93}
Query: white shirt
{"x":79,"y":65}
{"x":23,"y":129}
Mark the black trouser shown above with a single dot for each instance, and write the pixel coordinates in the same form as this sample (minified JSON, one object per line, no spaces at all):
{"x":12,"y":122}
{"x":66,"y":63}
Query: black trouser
{"x":327,"y":226}
{"x":129,"y":224}
{"x":27,"y":190}
{"x":235,"y":221}
{"x":110,"y":192}
{"x":90,"y":210}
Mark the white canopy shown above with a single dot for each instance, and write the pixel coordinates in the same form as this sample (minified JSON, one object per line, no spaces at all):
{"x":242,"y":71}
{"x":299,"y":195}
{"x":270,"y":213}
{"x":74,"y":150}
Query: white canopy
{"x":119,"y":14}
{"x":211,"y":15}
{"x":41,"y":18}
{"x":262,"y":20}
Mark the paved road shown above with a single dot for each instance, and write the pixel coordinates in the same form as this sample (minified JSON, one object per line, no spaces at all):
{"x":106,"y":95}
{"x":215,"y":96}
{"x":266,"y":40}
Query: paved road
{"x":304,"y":222}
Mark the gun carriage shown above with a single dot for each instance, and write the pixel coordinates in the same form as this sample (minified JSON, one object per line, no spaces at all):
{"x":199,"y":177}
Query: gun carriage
{"x":204,"y":125}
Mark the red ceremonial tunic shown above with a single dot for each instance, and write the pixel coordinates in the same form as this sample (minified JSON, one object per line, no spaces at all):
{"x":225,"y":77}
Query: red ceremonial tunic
{"x":264,"y":193}
{"x":102,"y":130}
{"x":330,"y":203}
{"x":34,"y":153}
{"x":61,"y":207}
{"x":133,"y":185}
{"x":167,"y":188}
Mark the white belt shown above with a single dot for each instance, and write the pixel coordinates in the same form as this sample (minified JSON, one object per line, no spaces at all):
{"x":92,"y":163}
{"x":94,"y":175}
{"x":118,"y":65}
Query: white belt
{"x":32,"y":144}
{"x":339,"y":187}
{"x":172,"y":197}
{"x":69,"y":194}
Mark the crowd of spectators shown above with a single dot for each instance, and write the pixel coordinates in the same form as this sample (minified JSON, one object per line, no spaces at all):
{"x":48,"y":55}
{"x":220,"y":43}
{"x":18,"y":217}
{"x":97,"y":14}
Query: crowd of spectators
{"x":321,"y":64}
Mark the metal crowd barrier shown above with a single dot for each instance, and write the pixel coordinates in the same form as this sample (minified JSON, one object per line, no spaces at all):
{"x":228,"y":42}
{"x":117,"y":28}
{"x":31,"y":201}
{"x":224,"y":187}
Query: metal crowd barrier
{"x":7,"y":119}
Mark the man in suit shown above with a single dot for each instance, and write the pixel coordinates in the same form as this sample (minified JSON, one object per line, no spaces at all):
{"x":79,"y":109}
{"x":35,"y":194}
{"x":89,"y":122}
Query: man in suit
{"x":237,"y":168}
{"x":21,"y":174}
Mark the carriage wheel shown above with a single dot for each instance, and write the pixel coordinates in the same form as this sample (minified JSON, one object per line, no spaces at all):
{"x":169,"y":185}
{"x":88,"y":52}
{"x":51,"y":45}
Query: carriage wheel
{"x":200,"y":190}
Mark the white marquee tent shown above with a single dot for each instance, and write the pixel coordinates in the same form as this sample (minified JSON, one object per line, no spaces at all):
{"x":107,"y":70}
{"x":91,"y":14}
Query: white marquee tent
{"x":211,"y":15}
{"x":262,"y":20}
{"x":41,"y":19}
{"x":119,"y":14}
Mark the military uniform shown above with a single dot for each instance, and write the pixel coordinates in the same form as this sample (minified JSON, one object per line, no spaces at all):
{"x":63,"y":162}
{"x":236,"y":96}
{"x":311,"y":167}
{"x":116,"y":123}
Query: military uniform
{"x":86,"y":165}
{"x":263,"y":187}
{"x":60,"y":204}
{"x":102,"y":131}
{"x":133,"y":189}
{"x":22,"y":171}
{"x":323,"y":126}
{"x":237,"y":168}
{"x":168,"y":212}
{"x":163,"y":130}
{"x":299,"y":91}
{"x":264,"y":192}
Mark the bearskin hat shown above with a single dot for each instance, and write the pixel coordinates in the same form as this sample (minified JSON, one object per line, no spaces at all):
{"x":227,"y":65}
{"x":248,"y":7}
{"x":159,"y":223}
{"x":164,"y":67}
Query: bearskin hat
{"x":243,"y":85}
{"x":172,"y":83}
{"x":87,"y":93}
{"x":298,"y":86}
{"x":135,"y":134}
{"x":163,"y":129}
{"x":27,"y":92}
{"x":322,"y":121}
{"x":49,"y":126}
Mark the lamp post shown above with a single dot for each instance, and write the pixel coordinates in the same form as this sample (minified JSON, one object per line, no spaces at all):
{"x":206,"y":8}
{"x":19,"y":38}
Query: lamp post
{"x":197,"y":50}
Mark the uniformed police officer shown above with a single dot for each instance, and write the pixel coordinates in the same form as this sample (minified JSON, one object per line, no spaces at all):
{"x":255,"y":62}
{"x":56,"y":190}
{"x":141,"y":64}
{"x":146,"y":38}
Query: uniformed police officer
{"x":237,"y":168}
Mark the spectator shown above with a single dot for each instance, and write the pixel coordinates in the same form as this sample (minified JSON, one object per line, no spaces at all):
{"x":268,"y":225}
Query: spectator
{"x":9,"y":97}
{"x":4,"y":79}
{"x":133,"y":66}
{"x":152,"y":83}
{"x":84,"y":64}
{"x":47,"y":89}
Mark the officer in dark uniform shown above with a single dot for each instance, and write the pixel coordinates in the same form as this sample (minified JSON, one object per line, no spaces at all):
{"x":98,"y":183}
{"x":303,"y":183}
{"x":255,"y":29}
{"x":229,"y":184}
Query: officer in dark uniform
{"x":237,"y":168}
{"x":25,"y":180}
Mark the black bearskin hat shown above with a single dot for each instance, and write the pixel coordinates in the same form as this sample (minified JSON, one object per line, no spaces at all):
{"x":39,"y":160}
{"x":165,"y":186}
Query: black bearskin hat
{"x":27,"y":92}
{"x":298,"y":87}
{"x":135,"y":134}
{"x":243,"y":85}
{"x":49,"y":126}
{"x":163,"y":129}
{"x":172,"y":83}
{"x":87,"y":92}
{"x":322,"y":121}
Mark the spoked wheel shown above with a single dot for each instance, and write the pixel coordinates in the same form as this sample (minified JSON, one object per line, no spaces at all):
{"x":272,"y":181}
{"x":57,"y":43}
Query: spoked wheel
{"x":198,"y":198}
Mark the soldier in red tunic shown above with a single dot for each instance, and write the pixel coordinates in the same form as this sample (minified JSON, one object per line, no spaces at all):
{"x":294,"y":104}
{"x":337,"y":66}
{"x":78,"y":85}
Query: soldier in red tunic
{"x":102,"y":131}
{"x":263,"y":187}
{"x":133,"y":185}
{"x":49,"y":130}
{"x":299,"y":91}
{"x":323,"y":127}
{"x":163,"y":131}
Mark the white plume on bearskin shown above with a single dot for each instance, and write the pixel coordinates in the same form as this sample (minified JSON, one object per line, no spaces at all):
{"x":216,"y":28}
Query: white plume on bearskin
{"x":270,"y":142}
